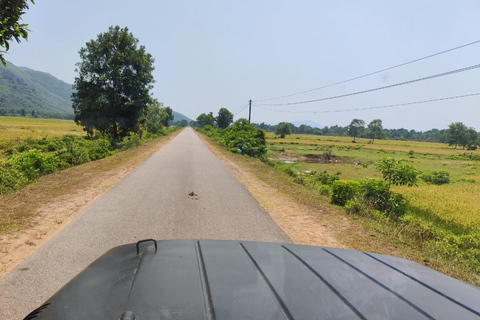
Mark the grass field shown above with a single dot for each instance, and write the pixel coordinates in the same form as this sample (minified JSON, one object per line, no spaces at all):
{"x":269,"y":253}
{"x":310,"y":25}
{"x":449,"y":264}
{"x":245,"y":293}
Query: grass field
{"x":21,"y":128}
{"x":441,"y":227}
{"x":453,"y":205}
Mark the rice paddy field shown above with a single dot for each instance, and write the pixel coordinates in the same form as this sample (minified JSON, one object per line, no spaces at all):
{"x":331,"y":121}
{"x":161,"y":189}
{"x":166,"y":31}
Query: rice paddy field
{"x":454,"y":206}
{"x":21,"y":128}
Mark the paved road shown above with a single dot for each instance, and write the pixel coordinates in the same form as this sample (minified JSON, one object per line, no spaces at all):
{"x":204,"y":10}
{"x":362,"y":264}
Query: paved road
{"x":151,"y":202}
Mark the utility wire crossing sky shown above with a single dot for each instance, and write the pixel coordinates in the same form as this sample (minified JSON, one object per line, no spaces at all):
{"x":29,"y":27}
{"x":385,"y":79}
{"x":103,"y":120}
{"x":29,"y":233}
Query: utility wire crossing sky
{"x":220,"y":54}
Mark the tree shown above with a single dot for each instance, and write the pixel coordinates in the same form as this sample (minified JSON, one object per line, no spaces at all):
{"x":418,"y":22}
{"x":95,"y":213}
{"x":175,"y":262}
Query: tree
{"x":472,"y":139}
{"x":166,"y":116}
{"x":205,"y":120}
{"x":153,"y":117}
{"x":283,"y":128}
{"x":183,"y":123}
{"x":395,"y":172}
{"x":10,"y":14}
{"x":356,"y":128}
{"x":224,"y":118}
{"x":375,"y":130}
{"x":457,"y":134}
{"x":112,"y":89}
{"x":23,"y":112}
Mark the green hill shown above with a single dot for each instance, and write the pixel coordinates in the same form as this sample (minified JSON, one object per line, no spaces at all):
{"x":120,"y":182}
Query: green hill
{"x":29,"y":90}
{"x":177,"y":117}
{"x":25,"y":89}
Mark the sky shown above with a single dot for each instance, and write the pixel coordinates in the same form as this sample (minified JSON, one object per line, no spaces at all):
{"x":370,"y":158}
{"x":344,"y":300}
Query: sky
{"x":221,"y":53}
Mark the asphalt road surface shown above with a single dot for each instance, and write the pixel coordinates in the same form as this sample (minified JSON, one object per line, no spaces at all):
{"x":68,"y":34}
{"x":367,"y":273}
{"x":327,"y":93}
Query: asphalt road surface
{"x":153,"y":201}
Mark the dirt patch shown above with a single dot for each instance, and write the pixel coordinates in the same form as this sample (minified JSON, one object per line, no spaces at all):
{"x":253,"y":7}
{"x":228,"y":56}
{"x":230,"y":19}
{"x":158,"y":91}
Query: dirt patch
{"x":36,"y":213}
{"x":312,"y":158}
{"x":303,"y":223}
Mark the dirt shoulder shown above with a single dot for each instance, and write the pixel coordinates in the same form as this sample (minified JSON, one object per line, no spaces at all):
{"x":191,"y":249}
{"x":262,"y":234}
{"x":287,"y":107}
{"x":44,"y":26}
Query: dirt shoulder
{"x":34,"y":214}
{"x":305,"y":222}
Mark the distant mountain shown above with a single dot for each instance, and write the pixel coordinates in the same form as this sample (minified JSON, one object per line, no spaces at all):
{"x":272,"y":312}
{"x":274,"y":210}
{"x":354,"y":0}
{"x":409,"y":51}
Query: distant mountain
{"x":29,"y":90}
{"x":177,"y":117}
{"x":307,"y":122}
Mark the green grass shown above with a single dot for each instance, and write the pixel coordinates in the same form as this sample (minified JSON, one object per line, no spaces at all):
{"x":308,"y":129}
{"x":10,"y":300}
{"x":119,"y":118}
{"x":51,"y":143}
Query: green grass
{"x":441,"y":228}
{"x":454,"y":207}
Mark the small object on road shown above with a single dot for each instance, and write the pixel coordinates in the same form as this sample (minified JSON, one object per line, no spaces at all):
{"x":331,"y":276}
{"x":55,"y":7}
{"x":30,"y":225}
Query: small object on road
{"x":192,"y":194}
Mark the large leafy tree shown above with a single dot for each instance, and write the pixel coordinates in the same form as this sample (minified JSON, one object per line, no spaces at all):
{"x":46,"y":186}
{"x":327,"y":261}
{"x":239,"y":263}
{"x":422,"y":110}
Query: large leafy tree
{"x":205,"y":120}
{"x":457,"y":134}
{"x":166,"y":116}
{"x":472,"y":139}
{"x":224,"y":118}
{"x":283,"y":128}
{"x":356,"y":128}
{"x":112,"y":89}
{"x":156,"y":117}
{"x":11,"y":12}
{"x":375,"y":130}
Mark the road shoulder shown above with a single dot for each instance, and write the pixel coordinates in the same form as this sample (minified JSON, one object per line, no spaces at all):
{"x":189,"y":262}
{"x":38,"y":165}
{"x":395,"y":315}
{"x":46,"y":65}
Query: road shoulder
{"x":50,"y":204}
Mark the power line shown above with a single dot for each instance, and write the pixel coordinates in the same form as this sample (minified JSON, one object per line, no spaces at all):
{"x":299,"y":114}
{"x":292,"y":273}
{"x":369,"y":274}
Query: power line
{"x":375,"y":72}
{"x":245,"y":107}
{"x":241,"y":108}
{"x":376,"y":89}
{"x":380,"y":107}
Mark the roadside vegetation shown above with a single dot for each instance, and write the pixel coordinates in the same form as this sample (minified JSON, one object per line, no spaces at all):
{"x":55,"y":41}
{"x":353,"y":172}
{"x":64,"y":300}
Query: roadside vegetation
{"x":24,"y":161}
{"x":424,"y":193}
{"x":421,"y":196}
{"x":111,"y":102}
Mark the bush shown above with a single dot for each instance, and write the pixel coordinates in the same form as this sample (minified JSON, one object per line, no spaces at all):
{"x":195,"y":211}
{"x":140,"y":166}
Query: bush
{"x":324,"y":190}
{"x":290,"y":170}
{"x":376,"y":192}
{"x":242,"y":137}
{"x":397,"y":205}
{"x":436,"y":177}
{"x":343,"y":190}
{"x":33,"y":163}
{"x":99,"y":149}
{"x":10,"y":178}
{"x":326,"y":178}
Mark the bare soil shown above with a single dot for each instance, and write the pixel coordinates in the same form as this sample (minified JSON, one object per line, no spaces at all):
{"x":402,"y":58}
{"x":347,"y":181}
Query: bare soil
{"x":34,"y":214}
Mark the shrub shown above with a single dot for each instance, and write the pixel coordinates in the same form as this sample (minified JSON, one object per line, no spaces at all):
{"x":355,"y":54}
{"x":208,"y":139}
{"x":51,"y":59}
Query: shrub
{"x":290,"y":170}
{"x":33,"y":163}
{"x":78,"y":154}
{"x":396,"y":172}
{"x":436,"y":177}
{"x":99,"y":149}
{"x":326,"y":178}
{"x":324,"y":190}
{"x":10,"y":178}
{"x":376,"y":192}
{"x":343,"y":190}
{"x":397,"y":205}
{"x":242,"y":137}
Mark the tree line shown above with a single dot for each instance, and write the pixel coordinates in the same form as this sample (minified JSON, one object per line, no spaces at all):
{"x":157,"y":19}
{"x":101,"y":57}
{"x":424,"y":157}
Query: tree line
{"x":457,"y":134}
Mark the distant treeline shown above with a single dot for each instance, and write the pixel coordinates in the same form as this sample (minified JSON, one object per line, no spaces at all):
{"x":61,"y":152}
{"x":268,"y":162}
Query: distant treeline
{"x":36,"y":114}
{"x":433,"y":135}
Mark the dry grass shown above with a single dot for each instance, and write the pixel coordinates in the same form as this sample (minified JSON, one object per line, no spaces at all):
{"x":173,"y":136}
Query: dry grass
{"x":455,"y":205}
{"x":20,"y":128}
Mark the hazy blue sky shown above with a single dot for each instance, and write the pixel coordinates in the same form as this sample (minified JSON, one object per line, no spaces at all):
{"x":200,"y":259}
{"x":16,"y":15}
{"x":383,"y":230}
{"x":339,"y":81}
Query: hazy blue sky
{"x":213,"y":54}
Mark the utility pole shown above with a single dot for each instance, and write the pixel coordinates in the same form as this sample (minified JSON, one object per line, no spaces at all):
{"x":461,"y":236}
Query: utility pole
{"x":250,"y":111}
